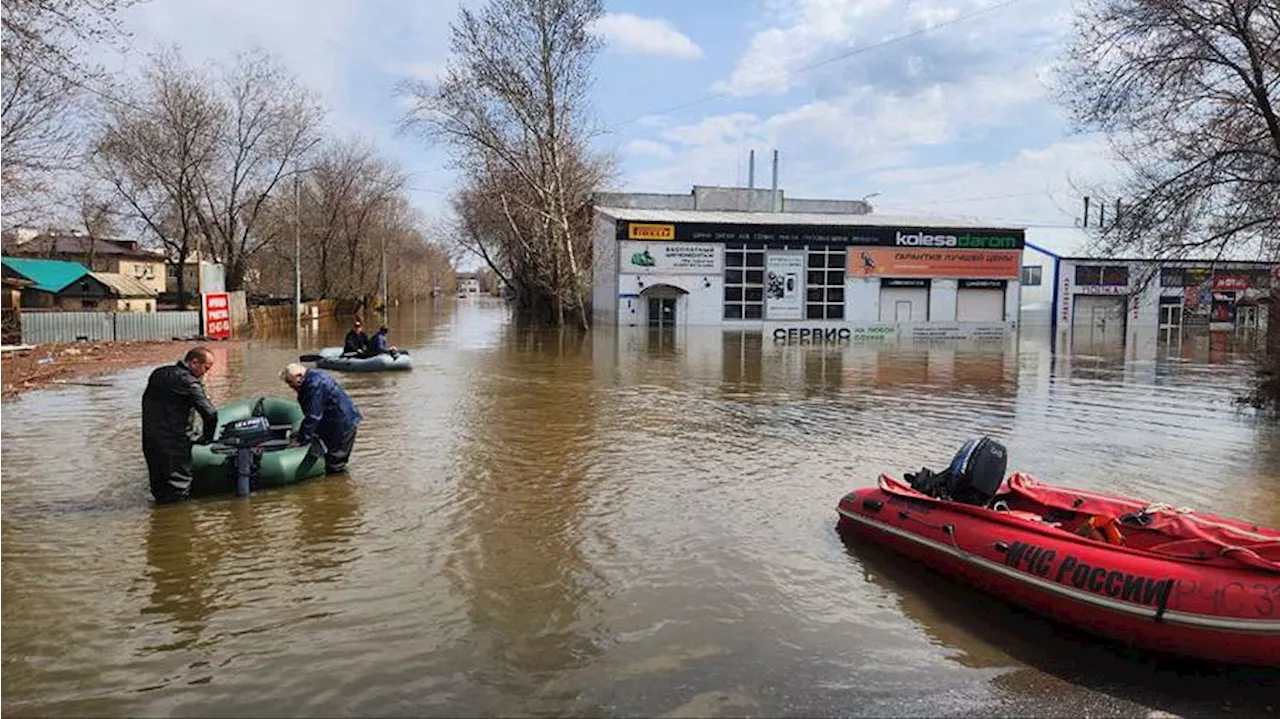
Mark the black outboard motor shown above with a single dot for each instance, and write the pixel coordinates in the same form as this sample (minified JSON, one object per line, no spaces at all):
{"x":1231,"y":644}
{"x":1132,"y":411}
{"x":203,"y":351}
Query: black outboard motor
{"x":246,"y":438}
{"x":974,"y":476}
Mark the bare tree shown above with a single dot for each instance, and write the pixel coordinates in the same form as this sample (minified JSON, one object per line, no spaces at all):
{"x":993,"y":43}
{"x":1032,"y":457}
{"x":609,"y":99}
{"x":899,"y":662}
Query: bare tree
{"x":1187,"y":92}
{"x":42,"y":88}
{"x":36,"y":138}
{"x":512,"y":105}
{"x":157,"y":144}
{"x":54,"y":33}
{"x":271,"y":123}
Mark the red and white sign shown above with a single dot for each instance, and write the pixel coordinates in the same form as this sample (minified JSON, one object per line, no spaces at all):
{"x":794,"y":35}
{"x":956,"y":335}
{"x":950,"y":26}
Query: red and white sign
{"x":1230,"y":282}
{"x":217,"y":315}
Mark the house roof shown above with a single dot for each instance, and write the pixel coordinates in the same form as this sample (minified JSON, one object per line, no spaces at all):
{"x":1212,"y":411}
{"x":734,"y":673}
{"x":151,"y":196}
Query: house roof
{"x":47,"y":275}
{"x":871,"y":219}
{"x":124,"y":285}
{"x":49,"y":245}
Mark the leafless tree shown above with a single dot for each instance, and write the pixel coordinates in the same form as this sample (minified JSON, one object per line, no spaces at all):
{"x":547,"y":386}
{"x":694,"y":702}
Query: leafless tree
{"x":55,"y":32}
{"x":513,"y":107}
{"x":157,"y":144}
{"x":36,"y":143}
{"x":44,"y":80}
{"x":1187,"y":92}
{"x":271,"y":124}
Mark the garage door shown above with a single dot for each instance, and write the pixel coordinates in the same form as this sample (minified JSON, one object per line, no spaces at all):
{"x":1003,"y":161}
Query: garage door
{"x":904,"y":304}
{"x":1098,"y":320}
{"x":980,"y":305}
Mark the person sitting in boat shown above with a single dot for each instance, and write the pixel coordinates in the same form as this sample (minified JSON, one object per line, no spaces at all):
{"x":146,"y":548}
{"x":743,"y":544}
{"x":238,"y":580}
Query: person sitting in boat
{"x":378,"y":345}
{"x":172,"y":392}
{"x":331,"y":416}
{"x":356,"y":340}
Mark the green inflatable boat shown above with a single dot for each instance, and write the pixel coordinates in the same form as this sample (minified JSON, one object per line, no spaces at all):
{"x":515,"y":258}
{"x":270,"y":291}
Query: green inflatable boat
{"x":249,"y":450}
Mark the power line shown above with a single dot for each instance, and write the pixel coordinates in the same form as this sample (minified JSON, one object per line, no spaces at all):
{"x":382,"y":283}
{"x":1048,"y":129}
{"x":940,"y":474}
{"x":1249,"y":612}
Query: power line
{"x":859,"y":50}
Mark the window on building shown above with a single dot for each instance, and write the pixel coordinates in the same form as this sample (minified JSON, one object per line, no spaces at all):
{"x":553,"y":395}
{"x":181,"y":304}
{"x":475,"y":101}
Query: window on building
{"x":1108,"y":275}
{"x":824,"y":284}
{"x":1031,"y":275}
{"x":1173,"y":277}
{"x":743,"y":282}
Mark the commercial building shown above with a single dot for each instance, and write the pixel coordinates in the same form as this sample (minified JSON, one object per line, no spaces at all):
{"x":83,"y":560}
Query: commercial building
{"x":1101,"y":302}
{"x":798,"y":269}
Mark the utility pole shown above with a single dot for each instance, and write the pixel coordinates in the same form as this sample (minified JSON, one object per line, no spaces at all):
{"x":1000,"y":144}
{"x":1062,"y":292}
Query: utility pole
{"x":386,"y":303}
{"x":297,"y":247}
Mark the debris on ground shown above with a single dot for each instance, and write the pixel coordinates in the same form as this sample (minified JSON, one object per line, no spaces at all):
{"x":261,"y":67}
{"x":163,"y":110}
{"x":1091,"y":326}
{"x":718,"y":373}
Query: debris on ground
{"x":57,"y":364}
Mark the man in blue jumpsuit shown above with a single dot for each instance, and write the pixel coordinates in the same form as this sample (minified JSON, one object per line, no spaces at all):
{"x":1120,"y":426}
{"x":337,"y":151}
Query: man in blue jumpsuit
{"x":329,"y":414}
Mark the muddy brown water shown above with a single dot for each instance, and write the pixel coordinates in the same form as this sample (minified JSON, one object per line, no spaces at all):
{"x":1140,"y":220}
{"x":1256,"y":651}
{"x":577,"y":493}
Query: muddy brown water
{"x":626,"y":524}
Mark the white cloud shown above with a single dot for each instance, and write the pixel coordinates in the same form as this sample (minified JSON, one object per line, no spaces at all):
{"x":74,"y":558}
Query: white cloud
{"x":1032,"y":187}
{"x":647,"y":148}
{"x":845,"y":32}
{"x":644,"y":36}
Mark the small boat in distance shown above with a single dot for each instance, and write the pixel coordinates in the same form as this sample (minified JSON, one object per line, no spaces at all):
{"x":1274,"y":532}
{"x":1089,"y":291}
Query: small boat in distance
{"x":1147,"y":575}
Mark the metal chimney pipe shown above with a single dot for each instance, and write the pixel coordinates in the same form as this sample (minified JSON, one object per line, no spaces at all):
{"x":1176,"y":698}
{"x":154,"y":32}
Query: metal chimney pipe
{"x":774,"y":191}
{"x":751,"y":172}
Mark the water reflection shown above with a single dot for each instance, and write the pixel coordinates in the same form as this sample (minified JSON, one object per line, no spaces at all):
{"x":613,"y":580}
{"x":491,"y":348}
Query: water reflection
{"x":518,"y":540}
{"x":982,"y":633}
{"x":633,"y":522}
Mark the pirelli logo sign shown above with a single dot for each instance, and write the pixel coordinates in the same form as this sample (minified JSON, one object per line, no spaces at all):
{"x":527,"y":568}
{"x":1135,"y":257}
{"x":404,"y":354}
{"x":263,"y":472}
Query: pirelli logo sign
{"x":650,"y":231}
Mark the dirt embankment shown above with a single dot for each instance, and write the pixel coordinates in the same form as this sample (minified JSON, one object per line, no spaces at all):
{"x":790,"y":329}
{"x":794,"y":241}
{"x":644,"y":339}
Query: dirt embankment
{"x":78,"y":362}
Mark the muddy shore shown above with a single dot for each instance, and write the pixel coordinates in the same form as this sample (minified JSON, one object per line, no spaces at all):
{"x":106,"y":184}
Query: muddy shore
{"x":80,"y":362}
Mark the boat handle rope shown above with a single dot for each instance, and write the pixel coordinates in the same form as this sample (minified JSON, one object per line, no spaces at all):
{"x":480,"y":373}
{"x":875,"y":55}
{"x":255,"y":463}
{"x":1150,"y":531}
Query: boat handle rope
{"x":1162,"y":601}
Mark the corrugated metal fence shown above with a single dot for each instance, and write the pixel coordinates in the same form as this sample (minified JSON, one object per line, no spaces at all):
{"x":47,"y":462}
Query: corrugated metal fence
{"x":40,"y":327}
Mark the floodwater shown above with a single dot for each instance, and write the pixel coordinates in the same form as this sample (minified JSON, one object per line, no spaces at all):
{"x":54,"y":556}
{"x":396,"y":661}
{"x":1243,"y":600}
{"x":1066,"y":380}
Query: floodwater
{"x":623,"y":524}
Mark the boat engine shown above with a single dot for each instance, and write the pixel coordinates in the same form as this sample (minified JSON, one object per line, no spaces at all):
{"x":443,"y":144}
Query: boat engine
{"x":246,"y":438}
{"x":974,"y":476}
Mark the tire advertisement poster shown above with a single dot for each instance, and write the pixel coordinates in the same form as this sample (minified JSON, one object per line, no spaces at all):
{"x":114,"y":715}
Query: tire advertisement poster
{"x":784,"y":286}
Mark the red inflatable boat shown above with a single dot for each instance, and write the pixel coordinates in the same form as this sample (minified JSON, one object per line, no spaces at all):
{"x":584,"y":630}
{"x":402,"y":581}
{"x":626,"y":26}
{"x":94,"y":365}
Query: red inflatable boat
{"x":1147,"y":575}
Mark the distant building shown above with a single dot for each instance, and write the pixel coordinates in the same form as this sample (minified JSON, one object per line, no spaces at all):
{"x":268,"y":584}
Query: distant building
{"x":804,"y":269}
{"x":132,"y":295}
{"x":58,"y":285}
{"x":98,"y":254}
{"x":1113,"y":301}
{"x":197,"y":274}
{"x":468,"y":284}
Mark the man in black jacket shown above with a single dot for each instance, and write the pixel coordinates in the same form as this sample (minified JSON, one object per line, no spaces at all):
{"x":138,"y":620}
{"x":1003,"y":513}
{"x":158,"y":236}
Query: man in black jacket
{"x":356,"y":340}
{"x":172,"y":392}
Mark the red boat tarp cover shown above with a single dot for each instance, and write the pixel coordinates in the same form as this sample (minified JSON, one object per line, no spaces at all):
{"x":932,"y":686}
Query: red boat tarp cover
{"x":1182,"y":534}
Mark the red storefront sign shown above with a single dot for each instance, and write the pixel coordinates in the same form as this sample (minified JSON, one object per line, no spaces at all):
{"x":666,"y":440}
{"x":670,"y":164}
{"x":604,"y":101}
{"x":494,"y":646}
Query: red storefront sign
{"x":1230,"y":282}
{"x":217,"y":315}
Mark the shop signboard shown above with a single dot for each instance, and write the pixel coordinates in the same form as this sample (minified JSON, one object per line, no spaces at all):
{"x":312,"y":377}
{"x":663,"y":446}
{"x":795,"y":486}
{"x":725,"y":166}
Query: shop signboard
{"x":784,"y":286}
{"x":671,"y":258}
{"x":1230,"y":282}
{"x":217,"y":315}
{"x":995,"y":264}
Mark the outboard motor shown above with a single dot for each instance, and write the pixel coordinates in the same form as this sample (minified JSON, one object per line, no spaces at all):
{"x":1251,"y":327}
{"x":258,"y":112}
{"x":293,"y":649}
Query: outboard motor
{"x":246,"y":438}
{"x":974,"y":476}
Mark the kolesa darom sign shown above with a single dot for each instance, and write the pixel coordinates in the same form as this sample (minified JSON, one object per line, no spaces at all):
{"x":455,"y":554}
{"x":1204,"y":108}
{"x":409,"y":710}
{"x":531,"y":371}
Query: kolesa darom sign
{"x":976,"y":242}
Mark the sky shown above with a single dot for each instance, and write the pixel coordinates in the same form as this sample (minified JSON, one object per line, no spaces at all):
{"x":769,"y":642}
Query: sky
{"x":928,"y":107}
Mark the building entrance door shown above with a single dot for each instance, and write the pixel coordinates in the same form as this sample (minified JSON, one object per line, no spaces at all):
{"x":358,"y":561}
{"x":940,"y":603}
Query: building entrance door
{"x":662,"y":312}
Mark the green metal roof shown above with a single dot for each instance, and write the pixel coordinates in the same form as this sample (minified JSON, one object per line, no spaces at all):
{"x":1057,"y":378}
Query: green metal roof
{"x":48,"y":275}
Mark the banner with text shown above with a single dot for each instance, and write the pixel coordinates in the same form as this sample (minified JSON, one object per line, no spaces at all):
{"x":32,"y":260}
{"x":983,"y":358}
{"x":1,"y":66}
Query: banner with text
{"x":217,"y":315}
{"x":784,"y":286}
{"x":873,"y":262}
{"x":671,"y":258}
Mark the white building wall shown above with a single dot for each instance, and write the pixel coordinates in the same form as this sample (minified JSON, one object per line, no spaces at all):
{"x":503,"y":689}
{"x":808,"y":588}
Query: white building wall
{"x":942,"y":300}
{"x":702,"y":305}
{"x":861,"y":300}
{"x":604,"y":270}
